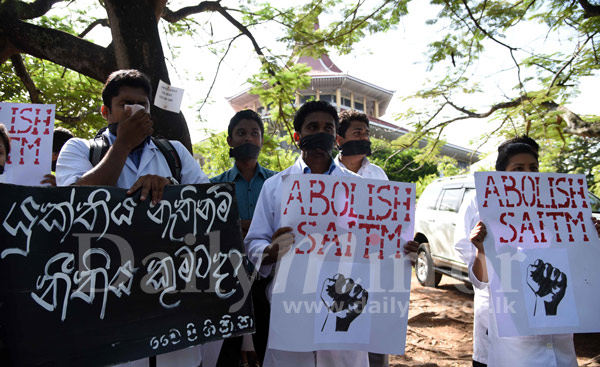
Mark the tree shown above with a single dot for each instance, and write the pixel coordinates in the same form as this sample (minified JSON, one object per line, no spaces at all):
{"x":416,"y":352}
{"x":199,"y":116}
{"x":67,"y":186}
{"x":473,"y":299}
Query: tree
{"x":540,"y":79}
{"x":399,"y":165}
{"x":136,"y":40}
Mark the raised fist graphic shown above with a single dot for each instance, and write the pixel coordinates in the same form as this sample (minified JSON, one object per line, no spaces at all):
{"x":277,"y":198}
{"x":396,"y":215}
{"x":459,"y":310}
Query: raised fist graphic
{"x":344,"y":298}
{"x":548,"y":283}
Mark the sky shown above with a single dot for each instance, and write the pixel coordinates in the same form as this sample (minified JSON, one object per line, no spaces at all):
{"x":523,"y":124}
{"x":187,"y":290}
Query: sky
{"x":393,"y":60}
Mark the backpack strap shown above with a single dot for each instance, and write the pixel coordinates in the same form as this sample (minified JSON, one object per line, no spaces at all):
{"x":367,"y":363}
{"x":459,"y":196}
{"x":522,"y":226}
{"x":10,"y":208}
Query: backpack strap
{"x":100,"y":144}
{"x":98,"y":148}
{"x":171,"y":155}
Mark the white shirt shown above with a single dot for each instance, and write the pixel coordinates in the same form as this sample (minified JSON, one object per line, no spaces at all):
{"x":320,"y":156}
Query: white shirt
{"x":555,"y":350}
{"x":266,"y":220}
{"x":366,"y":170}
{"x":73,"y":162}
{"x":467,"y":218}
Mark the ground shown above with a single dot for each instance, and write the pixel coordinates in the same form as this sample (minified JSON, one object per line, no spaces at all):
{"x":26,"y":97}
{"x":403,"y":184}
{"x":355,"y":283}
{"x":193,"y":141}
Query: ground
{"x":440,"y":325}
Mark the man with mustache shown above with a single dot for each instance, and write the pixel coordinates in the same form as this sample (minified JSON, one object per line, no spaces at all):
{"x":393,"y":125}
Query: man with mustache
{"x":245,"y":137}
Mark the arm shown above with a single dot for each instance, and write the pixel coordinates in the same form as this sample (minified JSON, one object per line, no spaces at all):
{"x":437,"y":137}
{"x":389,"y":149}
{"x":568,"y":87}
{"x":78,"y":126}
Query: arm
{"x":191,"y":173}
{"x":479,"y":265}
{"x":467,"y":219}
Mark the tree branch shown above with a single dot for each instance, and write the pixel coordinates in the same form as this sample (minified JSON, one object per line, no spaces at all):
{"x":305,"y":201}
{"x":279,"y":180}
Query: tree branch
{"x":175,"y":16}
{"x":21,"y":71}
{"x":590,"y":10}
{"x":23,"y":10}
{"x":217,"y":72}
{"x":483,"y":30}
{"x":94,"y":61}
{"x":575,"y":54}
{"x":102,"y":22}
{"x":514,"y":103}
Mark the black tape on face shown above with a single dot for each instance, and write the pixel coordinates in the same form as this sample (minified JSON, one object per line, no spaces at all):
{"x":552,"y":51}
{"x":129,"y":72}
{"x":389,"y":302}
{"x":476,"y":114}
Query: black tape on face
{"x":316,"y":141}
{"x":245,"y":151}
{"x":356,"y":147}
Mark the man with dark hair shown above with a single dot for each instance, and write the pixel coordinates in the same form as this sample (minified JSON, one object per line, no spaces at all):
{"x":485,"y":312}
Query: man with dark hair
{"x":60,"y":137}
{"x":354,"y":141}
{"x":134,"y":162}
{"x":245,"y":137}
{"x":315,"y":126}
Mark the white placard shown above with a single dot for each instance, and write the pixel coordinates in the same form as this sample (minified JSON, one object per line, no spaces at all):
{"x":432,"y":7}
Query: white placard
{"x":349,"y":240}
{"x":542,"y":252}
{"x":168,"y":98}
{"x":31,"y":127}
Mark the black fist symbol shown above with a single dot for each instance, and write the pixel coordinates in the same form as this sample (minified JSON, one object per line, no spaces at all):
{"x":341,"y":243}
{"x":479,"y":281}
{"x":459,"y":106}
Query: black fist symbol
{"x":345,"y":298}
{"x":548,"y":283}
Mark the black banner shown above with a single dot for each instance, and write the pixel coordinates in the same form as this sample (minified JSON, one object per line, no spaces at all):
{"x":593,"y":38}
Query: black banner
{"x":91,"y":276}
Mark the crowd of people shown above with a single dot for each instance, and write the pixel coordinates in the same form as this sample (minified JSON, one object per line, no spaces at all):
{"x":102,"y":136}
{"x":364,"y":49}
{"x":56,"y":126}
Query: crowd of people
{"x":126,"y":156}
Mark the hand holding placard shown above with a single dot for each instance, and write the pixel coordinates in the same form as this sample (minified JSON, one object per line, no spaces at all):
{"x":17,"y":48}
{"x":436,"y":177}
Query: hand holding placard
{"x":281,"y":242}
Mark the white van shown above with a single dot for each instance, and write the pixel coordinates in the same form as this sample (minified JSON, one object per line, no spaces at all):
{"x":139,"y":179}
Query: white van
{"x":435,"y":222}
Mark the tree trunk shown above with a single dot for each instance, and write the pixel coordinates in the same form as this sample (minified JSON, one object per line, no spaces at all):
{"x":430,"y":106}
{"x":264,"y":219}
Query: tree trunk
{"x":137,"y":45}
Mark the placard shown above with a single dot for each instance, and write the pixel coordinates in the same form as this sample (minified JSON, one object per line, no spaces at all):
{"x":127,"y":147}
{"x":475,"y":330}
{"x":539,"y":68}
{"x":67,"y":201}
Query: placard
{"x":345,"y":284}
{"x":95,"y":277}
{"x":542,"y":252}
{"x":168,"y":98}
{"x":31,"y":127}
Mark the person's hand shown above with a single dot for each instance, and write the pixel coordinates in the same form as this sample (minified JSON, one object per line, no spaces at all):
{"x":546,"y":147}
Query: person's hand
{"x":134,"y":128}
{"x":49,"y":179}
{"x":410,"y":249}
{"x":548,"y":283}
{"x":281,"y":242}
{"x":345,"y":298}
{"x":478,"y":235}
{"x":596,"y":224}
{"x":150,"y":184}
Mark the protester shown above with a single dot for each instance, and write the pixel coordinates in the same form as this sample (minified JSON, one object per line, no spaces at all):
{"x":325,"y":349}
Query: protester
{"x":245,"y":137}
{"x":133,"y":161}
{"x":60,"y":137}
{"x":519,"y":154}
{"x":4,"y":150}
{"x":354,"y":141}
{"x":315,"y":125}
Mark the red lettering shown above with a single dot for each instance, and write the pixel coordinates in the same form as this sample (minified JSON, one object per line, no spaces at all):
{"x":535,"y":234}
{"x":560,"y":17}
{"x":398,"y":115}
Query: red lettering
{"x":488,"y":192}
{"x":511,"y":187}
{"x":514,"y":230}
{"x":318,"y":195}
{"x":346,"y":195}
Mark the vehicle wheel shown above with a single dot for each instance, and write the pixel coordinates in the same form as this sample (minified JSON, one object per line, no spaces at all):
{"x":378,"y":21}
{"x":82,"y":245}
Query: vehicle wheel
{"x":426,"y":274}
{"x":469,"y":285}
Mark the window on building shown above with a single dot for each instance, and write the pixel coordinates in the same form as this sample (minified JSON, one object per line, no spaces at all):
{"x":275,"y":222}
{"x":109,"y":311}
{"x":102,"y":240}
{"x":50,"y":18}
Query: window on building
{"x":328,"y":97}
{"x":346,"y":102}
{"x":359,"y":106}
